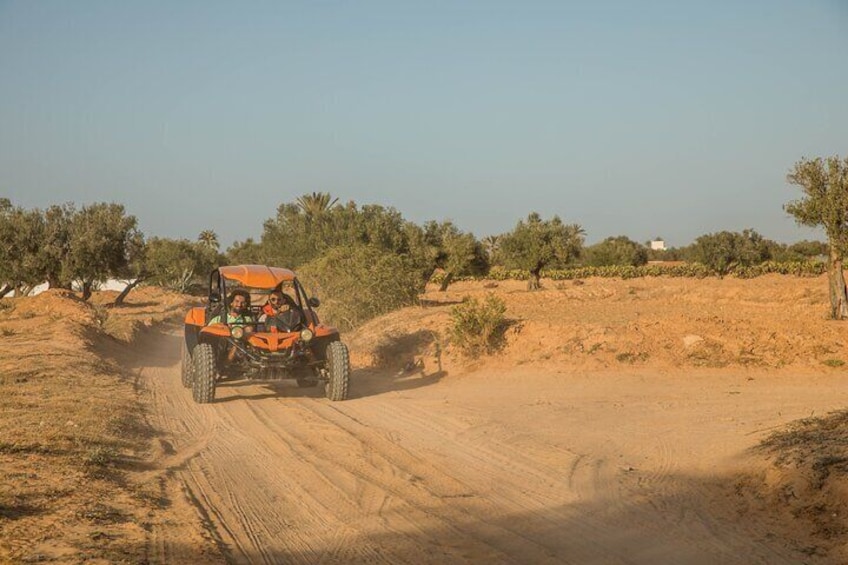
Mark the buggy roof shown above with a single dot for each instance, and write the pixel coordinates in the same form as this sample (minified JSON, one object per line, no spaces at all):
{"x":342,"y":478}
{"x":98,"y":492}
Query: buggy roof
{"x":257,"y":276}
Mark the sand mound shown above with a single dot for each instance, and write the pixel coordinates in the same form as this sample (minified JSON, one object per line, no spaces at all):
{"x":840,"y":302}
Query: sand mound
{"x":767,"y":323}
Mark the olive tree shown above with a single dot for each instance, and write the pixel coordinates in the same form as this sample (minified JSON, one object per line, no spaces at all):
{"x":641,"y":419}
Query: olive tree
{"x":620,"y":250}
{"x":98,"y":244}
{"x":55,"y":245}
{"x":824,"y":183}
{"x":457,"y":253}
{"x":721,"y":252}
{"x":134,"y":271}
{"x":535,"y":244}
{"x":21,"y":238}
{"x":807,"y":250}
{"x":176,"y":263}
{"x":247,"y":252}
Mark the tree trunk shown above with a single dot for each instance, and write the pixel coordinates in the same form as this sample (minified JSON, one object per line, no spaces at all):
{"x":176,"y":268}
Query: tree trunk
{"x":7,"y":288}
{"x":838,"y":294}
{"x":119,"y":300}
{"x":427,"y":274}
{"x":446,"y":281}
{"x":86,"y":290}
{"x":534,"y":282}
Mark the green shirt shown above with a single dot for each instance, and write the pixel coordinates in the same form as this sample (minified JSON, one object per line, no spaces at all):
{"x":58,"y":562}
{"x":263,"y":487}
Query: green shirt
{"x":240,"y":320}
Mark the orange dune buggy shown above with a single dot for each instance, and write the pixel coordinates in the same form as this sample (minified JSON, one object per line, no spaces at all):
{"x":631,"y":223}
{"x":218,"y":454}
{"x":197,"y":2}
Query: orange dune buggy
{"x":299,"y":347}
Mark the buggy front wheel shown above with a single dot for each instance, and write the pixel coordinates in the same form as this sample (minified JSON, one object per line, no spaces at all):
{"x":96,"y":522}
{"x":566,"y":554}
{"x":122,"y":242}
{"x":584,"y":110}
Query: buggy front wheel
{"x":204,"y":374}
{"x":338,"y":371}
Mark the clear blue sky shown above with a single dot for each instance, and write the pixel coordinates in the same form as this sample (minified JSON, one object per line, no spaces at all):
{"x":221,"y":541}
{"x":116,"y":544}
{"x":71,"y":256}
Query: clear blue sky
{"x":638,"y":118}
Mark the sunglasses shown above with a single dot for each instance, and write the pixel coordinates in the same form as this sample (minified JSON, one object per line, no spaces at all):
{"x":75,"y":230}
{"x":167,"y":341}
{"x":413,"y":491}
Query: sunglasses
{"x":273,"y":300}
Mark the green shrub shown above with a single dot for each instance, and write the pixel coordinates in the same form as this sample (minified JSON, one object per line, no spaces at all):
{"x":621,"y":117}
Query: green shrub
{"x":478,"y":327}
{"x":359,"y":282}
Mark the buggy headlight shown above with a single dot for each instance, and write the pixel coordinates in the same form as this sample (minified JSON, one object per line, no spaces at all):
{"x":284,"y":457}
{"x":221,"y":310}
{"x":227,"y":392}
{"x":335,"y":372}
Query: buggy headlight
{"x":237,"y":332}
{"x":306,"y":335}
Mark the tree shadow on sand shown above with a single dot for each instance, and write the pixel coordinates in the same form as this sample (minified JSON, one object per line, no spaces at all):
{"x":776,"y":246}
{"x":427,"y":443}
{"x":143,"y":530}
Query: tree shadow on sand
{"x":427,"y":303}
{"x":398,"y":364}
{"x":686,"y":519}
{"x":19,"y":508}
{"x":132,"y":305}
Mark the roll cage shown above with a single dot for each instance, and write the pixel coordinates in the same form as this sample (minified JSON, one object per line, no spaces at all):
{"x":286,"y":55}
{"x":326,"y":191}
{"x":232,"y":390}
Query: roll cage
{"x":221,"y":286}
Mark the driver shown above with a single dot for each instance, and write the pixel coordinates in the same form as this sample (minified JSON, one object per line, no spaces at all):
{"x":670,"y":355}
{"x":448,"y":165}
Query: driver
{"x":239,"y":312}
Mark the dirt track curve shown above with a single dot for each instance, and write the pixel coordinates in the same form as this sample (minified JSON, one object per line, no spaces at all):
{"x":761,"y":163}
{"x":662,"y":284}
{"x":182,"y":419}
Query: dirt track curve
{"x":529,"y":466}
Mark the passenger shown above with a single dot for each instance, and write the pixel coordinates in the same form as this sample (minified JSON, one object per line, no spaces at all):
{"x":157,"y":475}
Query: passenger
{"x":280,"y":313}
{"x":276,"y":304}
{"x":239,"y":313}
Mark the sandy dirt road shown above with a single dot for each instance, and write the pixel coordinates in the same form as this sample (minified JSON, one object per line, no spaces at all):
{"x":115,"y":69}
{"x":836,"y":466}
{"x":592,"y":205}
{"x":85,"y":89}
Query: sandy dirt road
{"x":533,"y":465}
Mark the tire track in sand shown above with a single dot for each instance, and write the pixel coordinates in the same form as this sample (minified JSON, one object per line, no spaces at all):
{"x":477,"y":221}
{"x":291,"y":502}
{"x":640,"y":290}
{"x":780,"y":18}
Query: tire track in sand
{"x":385,"y":480}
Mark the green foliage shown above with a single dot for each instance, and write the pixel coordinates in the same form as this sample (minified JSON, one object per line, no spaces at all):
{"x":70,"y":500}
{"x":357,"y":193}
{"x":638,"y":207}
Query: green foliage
{"x":807,"y":250}
{"x":723,"y":251}
{"x":21,"y":241}
{"x":357,"y":283}
{"x":295,"y":237}
{"x":422,"y":252}
{"x":477,"y":327}
{"x":61,"y":245}
{"x":619,"y":250}
{"x":246,"y":252}
{"x":455,"y":252}
{"x":824,"y":183}
{"x":667,"y":254}
{"x":536,"y":244}
{"x":55,"y":246}
{"x":177,"y":263}
{"x":97,"y":248}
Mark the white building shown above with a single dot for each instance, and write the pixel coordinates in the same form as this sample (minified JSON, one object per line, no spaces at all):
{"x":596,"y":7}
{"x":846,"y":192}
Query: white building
{"x":111,"y":284}
{"x":658,"y":245}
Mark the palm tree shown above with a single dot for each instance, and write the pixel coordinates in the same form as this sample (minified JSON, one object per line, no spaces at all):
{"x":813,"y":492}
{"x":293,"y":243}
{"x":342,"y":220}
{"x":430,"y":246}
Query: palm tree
{"x":209,"y":239}
{"x":491,"y":243}
{"x":316,"y":203}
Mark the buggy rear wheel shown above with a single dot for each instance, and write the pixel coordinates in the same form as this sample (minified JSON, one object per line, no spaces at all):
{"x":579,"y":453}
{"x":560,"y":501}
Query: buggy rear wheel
{"x":205,"y":373}
{"x":338,"y":369}
{"x":186,"y":367}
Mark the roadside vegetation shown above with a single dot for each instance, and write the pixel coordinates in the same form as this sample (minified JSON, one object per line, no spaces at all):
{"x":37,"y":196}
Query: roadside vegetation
{"x":477,"y":326}
{"x":80,"y":248}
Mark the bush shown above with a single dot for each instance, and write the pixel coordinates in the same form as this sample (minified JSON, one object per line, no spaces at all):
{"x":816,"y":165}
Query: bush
{"x":619,"y":250}
{"x":478,"y":327}
{"x":356,"y":283}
